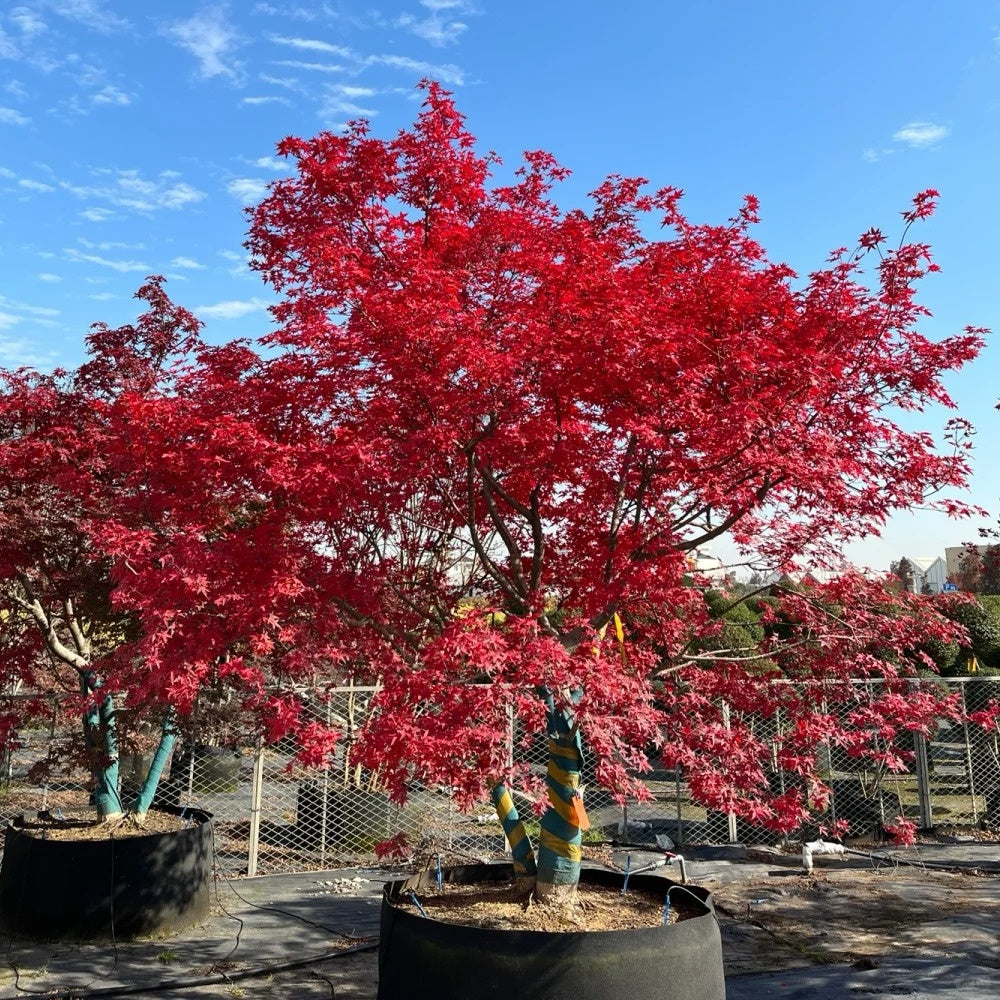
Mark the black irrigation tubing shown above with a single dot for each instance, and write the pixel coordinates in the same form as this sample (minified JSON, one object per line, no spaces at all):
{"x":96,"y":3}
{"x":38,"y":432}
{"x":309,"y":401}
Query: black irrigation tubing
{"x":810,"y":956}
{"x":220,"y":875}
{"x":936,"y":866}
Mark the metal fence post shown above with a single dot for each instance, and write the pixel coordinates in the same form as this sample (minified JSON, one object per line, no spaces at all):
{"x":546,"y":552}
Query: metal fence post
{"x":970,"y":773}
{"x":923,"y":782}
{"x":50,"y":748}
{"x":730,"y":816}
{"x":256,"y":798}
{"x":681,"y":840}
{"x":324,"y":812}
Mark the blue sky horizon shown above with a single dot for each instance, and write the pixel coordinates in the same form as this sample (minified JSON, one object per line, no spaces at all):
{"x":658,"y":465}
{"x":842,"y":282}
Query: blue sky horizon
{"x":132,"y":142}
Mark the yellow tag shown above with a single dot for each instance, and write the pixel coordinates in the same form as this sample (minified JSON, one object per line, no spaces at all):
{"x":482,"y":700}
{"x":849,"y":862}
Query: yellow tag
{"x":620,"y":634}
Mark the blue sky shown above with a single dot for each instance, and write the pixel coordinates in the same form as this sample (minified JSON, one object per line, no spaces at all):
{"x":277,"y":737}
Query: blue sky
{"x":132,"y":136}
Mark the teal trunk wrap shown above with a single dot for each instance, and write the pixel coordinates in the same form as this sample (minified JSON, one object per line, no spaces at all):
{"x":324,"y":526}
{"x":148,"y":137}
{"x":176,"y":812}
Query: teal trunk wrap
{"x":559,"y":844}
{"x":520,"y":844}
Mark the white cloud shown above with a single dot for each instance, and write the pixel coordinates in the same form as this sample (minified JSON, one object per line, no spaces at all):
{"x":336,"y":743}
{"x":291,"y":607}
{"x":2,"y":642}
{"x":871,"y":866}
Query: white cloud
{"x":231,"y":309}
{"x":256,"y":101}
{"x":186,"y":263}
{"x":49,"y":278}
{"x":109,"y":244}
{"x":35,"y":311}
{"x":8,"y":50}
{"x":110,"y":94}
{"x":15,"y":353}
{"x":336,"y":104}
{"x":27,"y":21}
{"x":8,"y":116}
{"x":121,"y":266}
{"x":277,"y":163}
{"x":872,"y":155}
{"x":210,"y":38}
{"x":288,"y":82}
{"x":312,"y":67}
{"x":920,"y":135}
{"x":129,"y":190}
{"x":7,"y":320}
{"x":240,"y":263}
{"x":314,"y":45}
{"x":439,"y":27}
{"x":91,"y":13}
{"x":37,"y":314}
{"x":7,"y":172}
{"x":38,"y":186}
{"x":447,"y":73}
{"x":17,"y":90}
{"x":352,"y":92}
{"x":102,"y":296}
{"x":300,"y":13}
{"x":249,"y":190}
{"x":97,"y":214}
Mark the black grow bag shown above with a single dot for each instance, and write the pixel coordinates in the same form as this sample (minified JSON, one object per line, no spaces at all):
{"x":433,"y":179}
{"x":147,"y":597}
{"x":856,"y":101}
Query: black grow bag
{"x":422,"y":957}
{"x":104,"y":889}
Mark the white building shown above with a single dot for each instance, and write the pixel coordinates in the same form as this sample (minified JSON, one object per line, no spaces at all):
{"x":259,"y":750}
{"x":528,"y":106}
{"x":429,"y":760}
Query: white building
{"x":930,"y":574}
{"x":702,"y":563}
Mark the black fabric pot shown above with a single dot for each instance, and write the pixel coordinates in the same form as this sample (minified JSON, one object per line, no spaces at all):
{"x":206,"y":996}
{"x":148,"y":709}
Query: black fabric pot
{"x":421,"y":957}
{"x":104,"y":889}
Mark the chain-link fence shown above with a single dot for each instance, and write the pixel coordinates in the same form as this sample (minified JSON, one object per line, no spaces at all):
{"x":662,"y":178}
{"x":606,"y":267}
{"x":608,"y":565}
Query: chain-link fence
{"x":272,"y":815}
{"x":951,"y":779}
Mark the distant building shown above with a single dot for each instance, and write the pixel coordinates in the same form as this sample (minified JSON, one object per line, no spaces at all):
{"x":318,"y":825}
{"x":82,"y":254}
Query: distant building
{"x":930,"y":574}
{"x":954,"y":554}
{"x":701,"y":562}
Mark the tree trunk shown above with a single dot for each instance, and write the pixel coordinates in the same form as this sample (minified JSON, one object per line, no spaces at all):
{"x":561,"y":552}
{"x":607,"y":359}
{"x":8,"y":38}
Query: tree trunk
{"x":100,"y":732}
{"x":148,"y":791}
{"x":559,"y":843}
{"x":517,"y":837}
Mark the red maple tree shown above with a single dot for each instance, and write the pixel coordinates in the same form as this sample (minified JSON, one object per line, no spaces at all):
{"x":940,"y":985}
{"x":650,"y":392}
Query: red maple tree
{"x":515,"y":423}
{"x":132,"y":506}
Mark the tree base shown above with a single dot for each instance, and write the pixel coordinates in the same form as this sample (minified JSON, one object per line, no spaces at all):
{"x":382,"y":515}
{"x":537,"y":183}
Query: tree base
{"x":681,"y":961}
{"x":555,"y":895}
